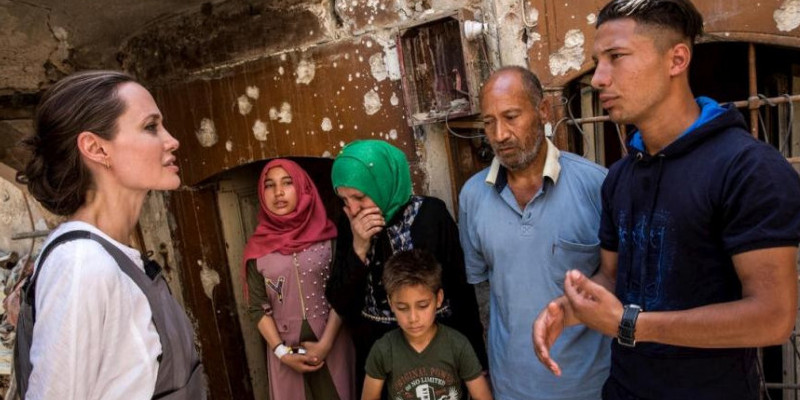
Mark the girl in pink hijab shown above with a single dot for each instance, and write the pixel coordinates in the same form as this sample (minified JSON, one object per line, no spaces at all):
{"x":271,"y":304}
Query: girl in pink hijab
{"x":287,"y":263}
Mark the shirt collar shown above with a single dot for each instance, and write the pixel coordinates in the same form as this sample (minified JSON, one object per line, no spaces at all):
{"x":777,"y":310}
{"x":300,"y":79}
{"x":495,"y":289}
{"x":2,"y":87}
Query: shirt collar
{"x":552,"y":168}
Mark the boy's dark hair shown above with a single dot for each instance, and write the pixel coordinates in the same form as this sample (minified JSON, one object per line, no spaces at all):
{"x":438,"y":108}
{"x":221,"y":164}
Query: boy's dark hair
{"x":679,"y":16}
{"x":410,"y":268}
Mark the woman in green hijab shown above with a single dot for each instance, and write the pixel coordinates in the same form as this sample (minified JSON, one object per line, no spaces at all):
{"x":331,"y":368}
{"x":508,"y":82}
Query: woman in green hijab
{"x":383,"y":217}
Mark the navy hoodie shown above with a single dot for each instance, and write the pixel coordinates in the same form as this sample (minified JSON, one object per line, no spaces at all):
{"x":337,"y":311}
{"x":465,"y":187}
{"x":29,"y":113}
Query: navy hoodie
{"x":675,"y":219}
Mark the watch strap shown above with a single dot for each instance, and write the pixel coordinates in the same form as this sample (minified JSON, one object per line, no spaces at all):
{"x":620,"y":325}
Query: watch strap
{"x":627,"y":325}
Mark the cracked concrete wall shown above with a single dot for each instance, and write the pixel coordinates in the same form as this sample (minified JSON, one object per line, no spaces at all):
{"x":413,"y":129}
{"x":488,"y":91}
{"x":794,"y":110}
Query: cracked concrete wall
{"x":157,"y":224}
{"x":512,"y":35}
{"x":433,"y":155}
{"x":42,"y":40}
{"x":39,"y":49}
{"x":220,"y":36}
{"x":20,"y":214}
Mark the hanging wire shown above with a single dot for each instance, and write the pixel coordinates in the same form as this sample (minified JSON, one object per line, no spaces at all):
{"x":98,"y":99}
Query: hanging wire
{"x":485,"y":59}
{"x":562,"y":102}
{"x":785,"y":139}
{"x":793,"y":340}
{"x":761,"y":378}
{"x":621,"y":141}
{"x":452,"y":132}
{"x":770,"y":103}
{"x":763,"y":127}
{"x":572,"y":116}
{"x":555,"y":128}
{"x":577,"y":125}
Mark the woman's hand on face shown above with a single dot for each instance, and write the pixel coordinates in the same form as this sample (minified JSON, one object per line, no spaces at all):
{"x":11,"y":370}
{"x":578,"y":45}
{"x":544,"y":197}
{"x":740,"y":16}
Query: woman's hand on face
{"x":302,"y":363}
{"x":365,"y":224}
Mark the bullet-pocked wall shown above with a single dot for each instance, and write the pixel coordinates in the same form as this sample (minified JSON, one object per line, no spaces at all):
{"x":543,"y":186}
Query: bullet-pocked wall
{"x":240,"y":82}
{"x":241,"y":73}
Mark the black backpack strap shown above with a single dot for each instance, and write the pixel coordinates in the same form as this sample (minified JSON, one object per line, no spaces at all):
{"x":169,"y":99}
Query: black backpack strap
{"x":29,"y":289}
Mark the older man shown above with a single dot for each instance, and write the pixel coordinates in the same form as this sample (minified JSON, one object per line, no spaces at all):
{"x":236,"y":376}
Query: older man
{"x":524,"y":221}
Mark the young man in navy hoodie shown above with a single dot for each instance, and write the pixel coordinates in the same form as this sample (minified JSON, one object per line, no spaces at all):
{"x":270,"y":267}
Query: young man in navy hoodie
{"x":699,"y":229}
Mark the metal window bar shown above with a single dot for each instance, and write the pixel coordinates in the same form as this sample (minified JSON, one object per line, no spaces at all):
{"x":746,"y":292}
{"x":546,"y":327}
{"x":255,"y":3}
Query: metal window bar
{"x":754,"y":101}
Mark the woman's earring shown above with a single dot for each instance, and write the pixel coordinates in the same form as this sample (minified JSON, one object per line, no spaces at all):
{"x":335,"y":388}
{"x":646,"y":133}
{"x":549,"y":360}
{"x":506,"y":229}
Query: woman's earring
{"x":108,"y":164}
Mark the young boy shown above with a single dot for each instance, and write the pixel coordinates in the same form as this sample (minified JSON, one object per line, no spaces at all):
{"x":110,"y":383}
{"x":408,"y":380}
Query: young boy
{"x":422,"y":359}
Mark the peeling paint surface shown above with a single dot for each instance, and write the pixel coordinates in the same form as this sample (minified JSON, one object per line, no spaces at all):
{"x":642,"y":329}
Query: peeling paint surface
{"x":372,"y":102}
{"x":209,"y":279}
{"x":591,"y":19}
{"x":229,"y":145}
{"x":570,"y":56}
{"x":305,"y":71}
{"x":533,"y":15}
{"x":533,"y":38}
{"x":788,"y":15}
{"x":362,"y":14}
{"x":260,"y":131}
{"x":378,"y":67}
{"x":326,"y":124}
{"x":283,"y":116}
{"x":253,"y":92}
{"x":302,"y":108}
{"x":394,"y":100}
{"x":511,"y":32}
{"x":207,"y":134}
{"x":392,"y":62}
{"x":245,"y":106}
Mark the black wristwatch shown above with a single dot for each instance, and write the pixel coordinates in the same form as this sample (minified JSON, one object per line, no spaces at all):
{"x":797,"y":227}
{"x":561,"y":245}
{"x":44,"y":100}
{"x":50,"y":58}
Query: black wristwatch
{"x":627,"y":326}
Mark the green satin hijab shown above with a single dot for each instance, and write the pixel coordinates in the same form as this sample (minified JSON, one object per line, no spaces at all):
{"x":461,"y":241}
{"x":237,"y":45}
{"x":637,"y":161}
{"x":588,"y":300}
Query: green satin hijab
{"x":377,"y":169}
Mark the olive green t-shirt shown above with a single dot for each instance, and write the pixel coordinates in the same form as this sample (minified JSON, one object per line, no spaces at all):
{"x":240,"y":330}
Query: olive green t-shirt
{"x":438,"y":371}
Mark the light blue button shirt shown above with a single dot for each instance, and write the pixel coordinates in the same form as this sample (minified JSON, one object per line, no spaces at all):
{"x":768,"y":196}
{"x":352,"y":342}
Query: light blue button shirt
{"x":525,"y":253}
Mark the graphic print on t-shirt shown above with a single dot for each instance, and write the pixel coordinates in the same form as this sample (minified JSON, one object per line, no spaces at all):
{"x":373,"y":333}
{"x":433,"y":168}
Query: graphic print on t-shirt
{"x":649,"y":244}
{"x":426,"y":383}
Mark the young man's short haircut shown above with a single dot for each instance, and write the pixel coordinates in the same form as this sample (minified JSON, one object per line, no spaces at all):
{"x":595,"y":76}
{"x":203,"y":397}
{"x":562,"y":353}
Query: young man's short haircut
{"x":411,"y":268}
{"x":679,"y":16}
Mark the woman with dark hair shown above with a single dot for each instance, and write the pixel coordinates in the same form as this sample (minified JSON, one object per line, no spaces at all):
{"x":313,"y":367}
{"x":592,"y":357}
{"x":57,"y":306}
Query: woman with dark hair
{"x":96,"y":321}
{"x":287,"y":262}
{"x":383,"y":217}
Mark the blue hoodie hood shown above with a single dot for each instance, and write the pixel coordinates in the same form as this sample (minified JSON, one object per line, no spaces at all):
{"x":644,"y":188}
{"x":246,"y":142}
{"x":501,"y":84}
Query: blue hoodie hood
{"x":709,"y":110}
